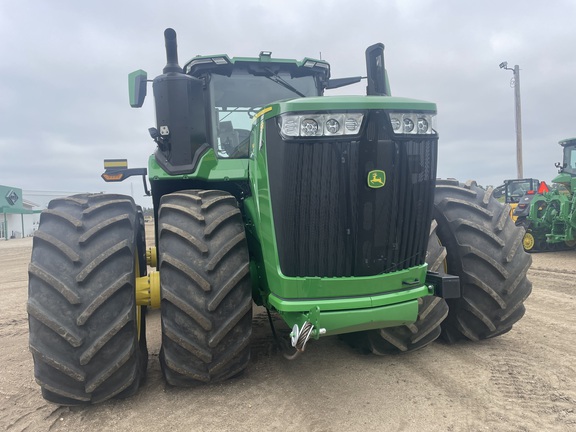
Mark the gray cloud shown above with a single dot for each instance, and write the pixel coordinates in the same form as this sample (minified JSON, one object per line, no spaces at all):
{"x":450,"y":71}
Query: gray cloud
{"x":63,"y":76}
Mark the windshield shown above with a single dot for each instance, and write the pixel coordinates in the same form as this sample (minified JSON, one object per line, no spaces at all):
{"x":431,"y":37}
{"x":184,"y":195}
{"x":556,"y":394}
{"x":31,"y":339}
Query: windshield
{"x":570,"y":160}
{"x":238,"y":97}
{"x":516,"y":189}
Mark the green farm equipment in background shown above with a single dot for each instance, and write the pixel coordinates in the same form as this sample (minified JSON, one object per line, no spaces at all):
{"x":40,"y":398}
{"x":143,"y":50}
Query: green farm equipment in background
{"x":549,"y":217}
{"x":323,"y":209}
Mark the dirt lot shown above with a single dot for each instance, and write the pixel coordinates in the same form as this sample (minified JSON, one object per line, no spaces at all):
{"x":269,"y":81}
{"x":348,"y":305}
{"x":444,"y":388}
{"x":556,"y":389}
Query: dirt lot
{"x":524,"y":380}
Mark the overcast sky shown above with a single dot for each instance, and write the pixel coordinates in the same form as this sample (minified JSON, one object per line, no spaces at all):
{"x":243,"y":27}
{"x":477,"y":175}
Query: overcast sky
{"x":64,"y":65}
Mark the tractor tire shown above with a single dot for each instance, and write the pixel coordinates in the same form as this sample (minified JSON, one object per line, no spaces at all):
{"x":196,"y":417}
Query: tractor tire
{"x":484,"y":248}
{"x":87,"y":335}
{"x":432,"y":311}
{"x":206,"y":304}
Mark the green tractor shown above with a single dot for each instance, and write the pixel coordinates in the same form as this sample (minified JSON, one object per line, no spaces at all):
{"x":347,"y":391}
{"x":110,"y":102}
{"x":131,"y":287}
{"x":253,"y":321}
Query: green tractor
{"x":325,"y":210}
{"x":549,"y":217}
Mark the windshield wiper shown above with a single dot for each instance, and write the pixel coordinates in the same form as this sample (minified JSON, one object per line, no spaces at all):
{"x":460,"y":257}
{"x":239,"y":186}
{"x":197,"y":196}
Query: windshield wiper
{"x":233,"y":111}
{"x":281,"y":81}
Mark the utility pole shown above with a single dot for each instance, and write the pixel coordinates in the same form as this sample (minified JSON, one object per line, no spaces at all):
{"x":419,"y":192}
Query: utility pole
{"x":515,"y":82}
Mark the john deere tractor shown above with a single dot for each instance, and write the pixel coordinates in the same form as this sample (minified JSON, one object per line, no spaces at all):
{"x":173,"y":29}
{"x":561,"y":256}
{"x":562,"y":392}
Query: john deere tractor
{"x":325,"y":210}
{"x":549,"y":216}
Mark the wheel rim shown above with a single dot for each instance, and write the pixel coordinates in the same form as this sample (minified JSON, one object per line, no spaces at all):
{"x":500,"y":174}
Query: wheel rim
{"x":570,"y":243}
{"x":140,"y":269}
{"x":528,"y":241}
{"x":138,"y":308}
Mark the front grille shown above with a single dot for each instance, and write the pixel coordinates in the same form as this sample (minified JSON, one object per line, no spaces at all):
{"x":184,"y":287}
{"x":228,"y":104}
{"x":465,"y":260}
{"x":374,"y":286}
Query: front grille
{"x":329,"y":223}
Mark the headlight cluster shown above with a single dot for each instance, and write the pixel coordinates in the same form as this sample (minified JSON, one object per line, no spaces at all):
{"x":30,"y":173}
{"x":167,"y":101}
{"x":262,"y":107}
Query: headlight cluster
{"x":412,"y":123}
{"x":309,"y":125}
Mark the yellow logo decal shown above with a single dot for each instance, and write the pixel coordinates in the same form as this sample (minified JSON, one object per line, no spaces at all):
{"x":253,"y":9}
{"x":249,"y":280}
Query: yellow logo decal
{"x":376,"y":179}
{"x":262,"y":112}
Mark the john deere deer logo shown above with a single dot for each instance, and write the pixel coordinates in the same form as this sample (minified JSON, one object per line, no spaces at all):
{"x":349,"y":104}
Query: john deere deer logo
{"x":376,"y":179}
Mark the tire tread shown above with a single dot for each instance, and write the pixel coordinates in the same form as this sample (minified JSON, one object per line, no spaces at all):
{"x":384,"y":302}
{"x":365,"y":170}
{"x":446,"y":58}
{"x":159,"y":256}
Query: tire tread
{"x":81,"y":274}
{"x":206,"y":291}
{"x":489,"y":260}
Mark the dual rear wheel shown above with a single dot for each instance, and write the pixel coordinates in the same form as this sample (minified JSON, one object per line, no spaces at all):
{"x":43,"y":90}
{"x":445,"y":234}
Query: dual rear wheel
{"x":87,"y":333}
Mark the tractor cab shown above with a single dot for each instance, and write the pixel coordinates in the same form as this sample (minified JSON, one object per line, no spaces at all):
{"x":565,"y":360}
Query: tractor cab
{"x":515,"y":189}
{"x":516,"y":193}
{"x":217,"y":97}
{"x":237,"y":88}
{"x":569,"y":164}
{"x":567,"y":169}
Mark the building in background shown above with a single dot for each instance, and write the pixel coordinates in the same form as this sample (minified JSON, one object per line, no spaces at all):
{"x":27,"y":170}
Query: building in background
{"x":18,"y":217}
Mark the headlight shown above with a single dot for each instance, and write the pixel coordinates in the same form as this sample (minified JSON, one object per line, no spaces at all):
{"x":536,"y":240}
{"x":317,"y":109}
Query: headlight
{"x":413,"y":123}
{"x":308,"y":125}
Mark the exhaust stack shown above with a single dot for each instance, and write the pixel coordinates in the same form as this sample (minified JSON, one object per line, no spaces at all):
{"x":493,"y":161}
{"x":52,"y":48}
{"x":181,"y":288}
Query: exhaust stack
{"x":171,"y":52}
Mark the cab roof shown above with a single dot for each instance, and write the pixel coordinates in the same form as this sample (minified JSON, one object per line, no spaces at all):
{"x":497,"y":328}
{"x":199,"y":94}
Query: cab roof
{"x":222,"y":64}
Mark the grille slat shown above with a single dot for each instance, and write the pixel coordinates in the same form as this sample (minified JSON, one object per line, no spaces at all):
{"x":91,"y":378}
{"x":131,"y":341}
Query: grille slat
{"x":329,"y":223}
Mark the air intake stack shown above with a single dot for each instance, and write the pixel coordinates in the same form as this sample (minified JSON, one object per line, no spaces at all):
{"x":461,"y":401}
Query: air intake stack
{"x":180,"y":114}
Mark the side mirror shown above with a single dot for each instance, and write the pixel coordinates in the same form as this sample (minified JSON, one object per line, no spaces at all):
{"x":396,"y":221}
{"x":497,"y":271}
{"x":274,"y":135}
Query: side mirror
{"x":377,"y":82}
{"x":137,"y":87}
{"x":341,"y":82}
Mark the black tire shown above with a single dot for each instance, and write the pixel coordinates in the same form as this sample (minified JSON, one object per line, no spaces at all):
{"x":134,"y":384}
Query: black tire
{"x":81,"y":300}
{"x":432,"y":311}
{"x":205,"y":288}
{"x":484,"y":248}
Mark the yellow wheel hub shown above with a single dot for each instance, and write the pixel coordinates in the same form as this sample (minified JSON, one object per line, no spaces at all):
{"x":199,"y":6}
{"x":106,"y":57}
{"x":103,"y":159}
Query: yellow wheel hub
{"x":151,"y":257}
{"x":528,"y":241}
{"x":148,"y":287}
{"x":138,"y":308}
{"x":148,"y":290}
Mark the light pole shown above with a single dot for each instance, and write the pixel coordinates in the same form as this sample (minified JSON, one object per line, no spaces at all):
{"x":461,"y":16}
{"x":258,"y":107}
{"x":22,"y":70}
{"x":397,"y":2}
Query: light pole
{"x":515,"y":82}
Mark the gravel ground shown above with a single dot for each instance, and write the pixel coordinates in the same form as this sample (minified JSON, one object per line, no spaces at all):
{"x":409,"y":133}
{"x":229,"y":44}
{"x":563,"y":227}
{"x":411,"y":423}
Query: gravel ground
{"x":524,"y":380}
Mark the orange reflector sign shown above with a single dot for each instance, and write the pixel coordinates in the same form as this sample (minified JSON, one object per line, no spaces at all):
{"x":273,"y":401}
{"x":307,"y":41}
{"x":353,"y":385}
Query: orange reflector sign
{"x":543,"y":188}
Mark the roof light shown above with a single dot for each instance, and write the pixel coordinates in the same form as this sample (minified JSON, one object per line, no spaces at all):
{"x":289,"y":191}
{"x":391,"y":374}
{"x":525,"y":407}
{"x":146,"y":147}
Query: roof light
{"x":200,"y":61}
{"x":219,"y":60}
